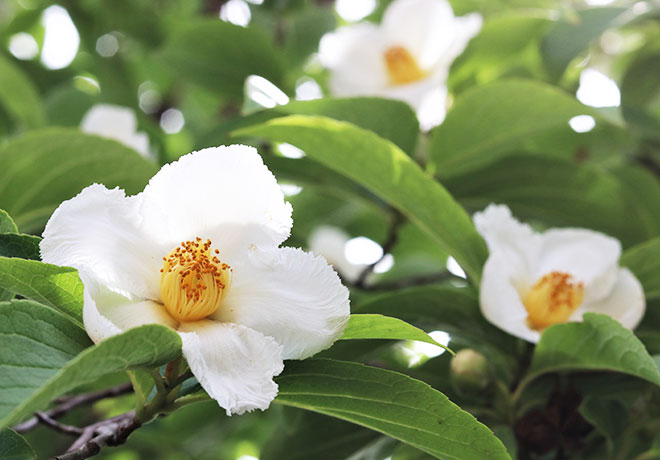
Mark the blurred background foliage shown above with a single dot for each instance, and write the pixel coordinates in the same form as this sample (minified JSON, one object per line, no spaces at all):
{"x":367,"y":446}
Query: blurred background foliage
{"x":554,"y":111}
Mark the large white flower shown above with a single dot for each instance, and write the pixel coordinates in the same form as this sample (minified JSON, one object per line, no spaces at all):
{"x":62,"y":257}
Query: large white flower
{"x":533,"y":280}
{"x":118,"y":123}
{"x":198,"y":251}
{"x":407,"y":57}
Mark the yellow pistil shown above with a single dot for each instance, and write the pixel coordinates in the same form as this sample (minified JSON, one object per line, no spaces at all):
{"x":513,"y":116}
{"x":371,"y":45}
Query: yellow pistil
{"x":552,"y":300}
{"x":193,"y":281}
{"x":402,"y":66}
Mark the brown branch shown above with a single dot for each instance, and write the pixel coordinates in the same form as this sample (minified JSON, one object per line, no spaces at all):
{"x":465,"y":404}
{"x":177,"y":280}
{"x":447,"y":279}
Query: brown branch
{"x":388,"y":245}
{"x":414,"y":281}
{"x":57,"y":426}
{"x":111,"y":432}
{"x":69,"y":403}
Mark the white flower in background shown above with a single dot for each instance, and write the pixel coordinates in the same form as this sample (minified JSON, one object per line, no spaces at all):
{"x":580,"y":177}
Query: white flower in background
{"x":407,"y":57}
{"x":534,"y":280}
{"x":330,"y":242}
{"x":118,"y":123}
{"x":198,"y":251}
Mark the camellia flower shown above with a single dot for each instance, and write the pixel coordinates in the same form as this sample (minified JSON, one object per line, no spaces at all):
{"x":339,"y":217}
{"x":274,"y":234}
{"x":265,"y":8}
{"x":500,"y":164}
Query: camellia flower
{"x":407,"y":57}
{"x":197,"y":251}
{"x":118,"y":123}
{"x":534,"y":280}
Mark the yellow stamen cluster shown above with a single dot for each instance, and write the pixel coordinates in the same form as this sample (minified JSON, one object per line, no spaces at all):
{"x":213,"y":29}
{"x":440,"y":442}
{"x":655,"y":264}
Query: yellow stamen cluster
{"x":552,"y":300}
{"x":193,"y":281}
{"x":402,"y":66}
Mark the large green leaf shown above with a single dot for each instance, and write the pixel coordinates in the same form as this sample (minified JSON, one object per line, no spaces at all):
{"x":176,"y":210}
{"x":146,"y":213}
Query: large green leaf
{"x":559,"y":193}
{"x":391,"y":119}
{"x":570,"y":37}
{"x":14,"y":447}
{"x":374,"y":326}
{"x":392,"y":403}
{"x":384,"y":169}
{"x":220,"y":56}
{"x":40,"y":169}
{"x":495,"y":119}
{"x":59,"y":287}
{"x":644,"y":261}
{"x":36,"y":342}
{"x":42,"y":350}
{"x":597,"y":343}
{"x":19,"y":96}
{"x":7,"y":224}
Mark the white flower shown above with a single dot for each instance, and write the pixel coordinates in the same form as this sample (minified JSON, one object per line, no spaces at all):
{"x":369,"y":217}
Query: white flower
{"x":407,"y":57}
{"x":330,"y":242}
{"x":533,"y":280}
{"x":198,"y":251}
{"x":118,"y":123}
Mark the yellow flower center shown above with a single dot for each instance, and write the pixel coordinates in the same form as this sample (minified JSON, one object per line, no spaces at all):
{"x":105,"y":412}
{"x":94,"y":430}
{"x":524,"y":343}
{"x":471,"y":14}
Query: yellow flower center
{"x":552,"y":300}
{"x":402,"y":66}
{"x":193,"y":281}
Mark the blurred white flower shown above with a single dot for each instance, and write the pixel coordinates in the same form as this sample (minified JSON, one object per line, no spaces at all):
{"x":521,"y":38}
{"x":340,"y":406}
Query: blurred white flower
{"x":406,"y":57}
{"x":534,"y":280}
{"x":330,"y":242}
{"x":118,"y":123}
{"x":198,"y":251}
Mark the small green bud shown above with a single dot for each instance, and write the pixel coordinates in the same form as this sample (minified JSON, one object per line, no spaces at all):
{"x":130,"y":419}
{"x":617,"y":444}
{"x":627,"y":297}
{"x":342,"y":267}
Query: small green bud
{"x":469,"y":371}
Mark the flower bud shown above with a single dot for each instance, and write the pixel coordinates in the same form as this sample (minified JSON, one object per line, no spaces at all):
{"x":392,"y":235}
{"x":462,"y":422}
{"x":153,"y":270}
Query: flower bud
{"x":469,"y":371}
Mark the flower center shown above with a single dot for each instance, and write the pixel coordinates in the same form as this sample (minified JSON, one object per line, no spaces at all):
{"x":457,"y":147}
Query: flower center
{"x":552,"y":300}
{"x":193,"y":282}
{"x":402,"y":66}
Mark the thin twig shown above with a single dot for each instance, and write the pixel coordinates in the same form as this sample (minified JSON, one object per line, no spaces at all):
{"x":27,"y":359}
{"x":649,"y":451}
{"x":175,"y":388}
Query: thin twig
{"x":69,"y":403}
{"x":57,"y":426}
{"x":388,"y":245}
{"x":413,"y":281}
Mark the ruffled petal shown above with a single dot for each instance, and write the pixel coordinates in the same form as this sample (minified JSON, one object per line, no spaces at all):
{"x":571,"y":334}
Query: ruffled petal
{"x":98,"y":232}
{"x":511,"y":240}
{"x":500,"y":301}
{"x":426,"y":28}
{"x":107,"y":313}
{"x":223,"y":193}
{"x":233,"y":363}
{"x":290,"y":295}
{"x":625,"y":303}
{"x":355,"y":57}
{"x":591,"y":257}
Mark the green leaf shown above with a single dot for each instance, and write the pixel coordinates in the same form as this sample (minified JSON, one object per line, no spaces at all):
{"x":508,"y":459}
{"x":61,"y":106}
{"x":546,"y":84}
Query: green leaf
{"x":644,"y":261}
{"x":598,"y":343}
{"x":570,"y":37}
{"x":371,"y":326}
{"x":35,"y":343}
{"x":146,"y":346}
{"x":14,"y":447}
{"x":19,"y":96}
{"x":391,"y":119}
{"x":40,"y":169}
{"x":220,"y":56}
{"x":19,"y":245}
{"x":392,"y":403}
{"x":7,"y":224}
{"x":384,"y":169}
{"x":58,"y":287}
{"x":492,"y":120}
{"x":557,"y":192}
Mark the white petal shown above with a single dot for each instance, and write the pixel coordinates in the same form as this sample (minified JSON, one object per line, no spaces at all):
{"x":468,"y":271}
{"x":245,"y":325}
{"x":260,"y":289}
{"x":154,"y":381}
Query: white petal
{"x":426,"y":28}
{"x":234,"y":364}
{"x":290,"y":295}
{"x":625,"y":303}
{"x":98,"y":232}
{"x":355,"y":57}
{"x":591,"y":257}
{"x":107,"y":313}
{"x":223,"y":193}
{"x":500,"y":301}
{"x":514,"y":241}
